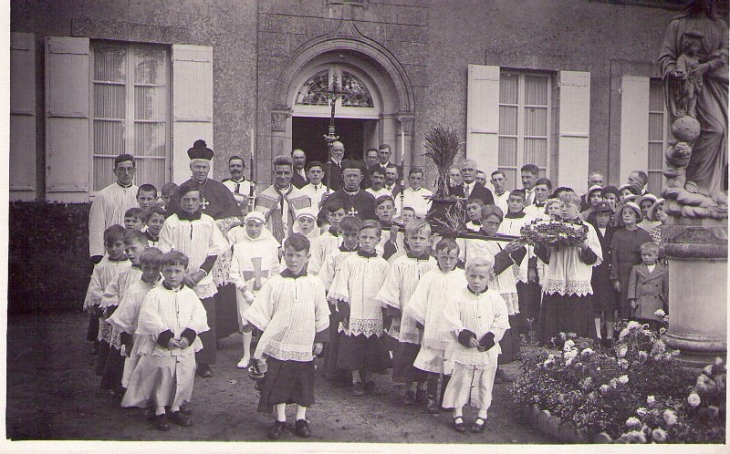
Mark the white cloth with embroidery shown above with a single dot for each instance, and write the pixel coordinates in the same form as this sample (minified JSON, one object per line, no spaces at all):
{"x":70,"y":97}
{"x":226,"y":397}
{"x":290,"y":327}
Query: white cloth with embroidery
{"x":479,"y":314}
{"x":566,"y":274}
{"x":415,"y":199}
{"x":196,"y":239}
{"x":332,"y":264}
{"x":505,"y":282}
{"x":104,"y":273}
{"x":107,"y":209}
{"x":357,"y":283}
{"x":290,"y":312}
{"x":321,"y":249}
{"x":511,"y":226}
{"x":405,"y":274}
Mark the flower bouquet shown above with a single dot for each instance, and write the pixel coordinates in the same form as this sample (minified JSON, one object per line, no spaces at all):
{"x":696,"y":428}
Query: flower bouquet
{"x":554,"y":233}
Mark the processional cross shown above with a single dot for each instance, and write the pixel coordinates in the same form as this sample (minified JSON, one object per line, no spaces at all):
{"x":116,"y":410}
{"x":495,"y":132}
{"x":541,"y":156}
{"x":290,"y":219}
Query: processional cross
{"x":256,"y":274}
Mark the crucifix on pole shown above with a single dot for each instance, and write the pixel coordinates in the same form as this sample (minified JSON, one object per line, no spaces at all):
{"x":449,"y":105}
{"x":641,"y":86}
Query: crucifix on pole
{"x":333,"y":92}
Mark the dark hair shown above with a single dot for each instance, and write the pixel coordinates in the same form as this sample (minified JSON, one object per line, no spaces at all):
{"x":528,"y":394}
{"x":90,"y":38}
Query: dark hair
{"x":168,"y":188}
{"x":350,"y":224}
{"x":383,"y":146}
{"x":370,"y":224}
{"x":135,"y":236}
{"x":609,"y":190}
{"x":122,"y":158}
{"x":315,"y":164}
{"x":559,"y":190}
{"x":147,"y":188}
{"x":532,"y":168}
{"x":154,"y":210}
{"x":377,"y":169}
{"x":449,"y":244}
{"x":370,"y":149}
{"x":298,"y":242}
{"x":188,"y":186}
{"x":235,"y":156}
{"x":151,"y":256}
{"x":173,"y":258}
{"x":135,"y":212}
{"x":476,"y":200}
{"x":114,"y":233}
{"x":334,"y":205}
{"x":641,"y":174}
{"x":382,"y":199}
{"x":517,"y":193}
{"x":415,"y":170}
{"x":409,"y":209}
{"x":546,"y":182}
{"x":282,"y":160}
{"x":496,"y":172}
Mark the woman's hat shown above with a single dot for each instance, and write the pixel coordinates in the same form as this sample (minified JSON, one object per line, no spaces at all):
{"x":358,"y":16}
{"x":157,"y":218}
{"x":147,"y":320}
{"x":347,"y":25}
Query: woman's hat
{"x":651,"y":212}
{"x":595,"y":187}
{"x":489,"y":210}
{"x":256,"y":216}
{"x":609,"y":190}
{"x":634,"y":207}
{"x":602,"y":207}
{"x":306,"y":212}
{"x":648,"y":196}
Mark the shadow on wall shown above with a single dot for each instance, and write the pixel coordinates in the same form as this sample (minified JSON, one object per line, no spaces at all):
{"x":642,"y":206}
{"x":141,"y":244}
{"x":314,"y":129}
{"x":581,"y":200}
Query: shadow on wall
{"x":48,"y":256}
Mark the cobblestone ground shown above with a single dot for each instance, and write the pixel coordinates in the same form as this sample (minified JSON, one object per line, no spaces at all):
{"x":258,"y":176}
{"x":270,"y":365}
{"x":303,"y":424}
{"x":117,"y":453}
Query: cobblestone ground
{"x":52,"y":394}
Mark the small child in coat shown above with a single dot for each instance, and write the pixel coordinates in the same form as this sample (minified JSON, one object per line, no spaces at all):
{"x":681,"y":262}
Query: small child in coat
{"x":168,"y":328}
{"x":291,"y":310}
{"x":477,"y":318}
{"x":649,"y":287}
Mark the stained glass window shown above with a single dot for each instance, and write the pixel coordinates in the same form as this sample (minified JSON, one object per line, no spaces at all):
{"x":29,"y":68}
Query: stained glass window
{"x":355,"y":93}
{"x":313,"y":92}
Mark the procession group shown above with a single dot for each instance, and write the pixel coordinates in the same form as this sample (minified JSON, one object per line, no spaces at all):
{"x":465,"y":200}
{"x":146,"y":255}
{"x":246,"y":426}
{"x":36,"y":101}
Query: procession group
{"x":337,"y":260}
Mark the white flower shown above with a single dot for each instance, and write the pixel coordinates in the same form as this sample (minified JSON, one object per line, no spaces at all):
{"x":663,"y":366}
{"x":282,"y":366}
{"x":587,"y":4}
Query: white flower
{"x":670,"y":417}
{"x":624,"y":332}
{"x":548,"y":362}
{"x":623,"y":379}
{"x":641,"y":411}
{"x":569,"y":361}
{"x":604,"y":389}
{"x":587,"y":351}
{"x":718,"y":361}
{"x":659,"y":435}
{"x":708,"y":370}
{"x":633,"y":421}
{"x":636,"y":436}
{"x":568,"y":345}
{"x":613,"y":383}
{"x":633,"y":325}
{"x":623,"y":364}
{"x":660,"y":313}
{"x":643,"y":356}
{"x":694,"y":400}
{"x":662,"y":330}
{"x":650,"y":400}
{"x":570,"y":355}
{"x":622,"y":351}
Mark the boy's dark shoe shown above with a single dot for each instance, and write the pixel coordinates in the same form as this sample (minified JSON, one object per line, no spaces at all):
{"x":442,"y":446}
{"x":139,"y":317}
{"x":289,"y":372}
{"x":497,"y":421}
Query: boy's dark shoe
{"x":503,"y":377}
{"x":358,"y":389}
{"x":421,"y":396}
{"x":433,"y":406}
{"x":161,"y":422}
{"x":369,"y":387}
{"x":459,"y":424}
{"x":301,"y":428}
{"x":204,"y":370}
{"x":180,"y":418}
{"x":410,"y":398}
{"x":277,"y":429}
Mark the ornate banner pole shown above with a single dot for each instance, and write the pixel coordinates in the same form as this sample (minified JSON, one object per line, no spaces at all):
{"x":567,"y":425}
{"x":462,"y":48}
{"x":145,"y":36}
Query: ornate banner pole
{"x":332,"y":94}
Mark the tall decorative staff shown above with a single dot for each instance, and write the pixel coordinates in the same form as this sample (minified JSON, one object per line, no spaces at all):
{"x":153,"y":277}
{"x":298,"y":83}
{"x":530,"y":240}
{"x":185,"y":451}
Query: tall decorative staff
{"x":252,"y":184}
{"x":332,"y":94}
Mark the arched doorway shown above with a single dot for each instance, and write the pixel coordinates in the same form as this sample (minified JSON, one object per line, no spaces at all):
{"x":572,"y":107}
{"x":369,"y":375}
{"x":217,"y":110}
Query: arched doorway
{"x":358,"y":110}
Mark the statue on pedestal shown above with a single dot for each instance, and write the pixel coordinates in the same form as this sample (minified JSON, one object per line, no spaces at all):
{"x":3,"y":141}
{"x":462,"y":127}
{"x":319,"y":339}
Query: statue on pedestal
{"x":694,"y":67}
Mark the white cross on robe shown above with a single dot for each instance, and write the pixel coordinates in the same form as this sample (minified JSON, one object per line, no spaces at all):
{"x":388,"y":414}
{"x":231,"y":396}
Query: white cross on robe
{"x":256,"y":274}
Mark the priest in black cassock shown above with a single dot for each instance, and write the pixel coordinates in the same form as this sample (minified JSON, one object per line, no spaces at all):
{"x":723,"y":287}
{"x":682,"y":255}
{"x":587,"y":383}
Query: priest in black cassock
{"x":356,"y":201}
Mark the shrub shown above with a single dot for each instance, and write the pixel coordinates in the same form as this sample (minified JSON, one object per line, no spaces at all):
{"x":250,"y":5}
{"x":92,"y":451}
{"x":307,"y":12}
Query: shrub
{"x":48,"y":260}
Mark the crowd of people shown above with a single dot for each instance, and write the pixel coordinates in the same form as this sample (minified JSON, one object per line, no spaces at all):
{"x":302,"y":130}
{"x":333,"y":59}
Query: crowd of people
{"x":353,"y":273}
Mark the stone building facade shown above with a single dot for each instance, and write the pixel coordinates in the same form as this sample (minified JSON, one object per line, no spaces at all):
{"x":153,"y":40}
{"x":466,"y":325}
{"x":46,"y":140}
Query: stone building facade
{"x":569,"y":85}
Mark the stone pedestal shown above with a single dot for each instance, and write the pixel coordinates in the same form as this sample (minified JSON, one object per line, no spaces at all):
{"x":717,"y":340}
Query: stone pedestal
{"x":697,"y":253}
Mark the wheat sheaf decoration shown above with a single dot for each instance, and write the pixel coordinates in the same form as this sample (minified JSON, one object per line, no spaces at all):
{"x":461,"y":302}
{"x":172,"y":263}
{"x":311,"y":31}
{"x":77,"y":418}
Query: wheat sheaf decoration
{"x":442,"y":146}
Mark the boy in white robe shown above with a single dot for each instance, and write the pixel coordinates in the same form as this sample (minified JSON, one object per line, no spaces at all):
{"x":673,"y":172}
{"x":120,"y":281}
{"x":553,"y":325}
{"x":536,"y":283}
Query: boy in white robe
{"x":329,"y":240}
{"x":405,"y":273}
{"x":255,"y":260}
{"x":477,"y":319}
{"x":291,"y":310}
{"x":169,"y":322}
{"x":426,"y":307}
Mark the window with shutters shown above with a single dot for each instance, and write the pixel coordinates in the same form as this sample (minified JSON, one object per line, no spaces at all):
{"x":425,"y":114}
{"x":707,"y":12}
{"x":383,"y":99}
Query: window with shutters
{"x":524,"y":123}
{"x":130,"y":113}
{"x":659,"y":135}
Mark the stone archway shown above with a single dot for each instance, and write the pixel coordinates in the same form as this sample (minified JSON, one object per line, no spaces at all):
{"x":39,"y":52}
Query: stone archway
{"x":397,"y":113}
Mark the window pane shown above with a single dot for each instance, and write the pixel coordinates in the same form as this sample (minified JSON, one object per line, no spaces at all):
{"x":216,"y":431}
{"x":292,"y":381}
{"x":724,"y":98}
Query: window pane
{"x":536,"y":152}
{"x":508,"y":88}
{"x":656,"y":127}
{"x":535,"y":121}
{"x":510,"y":176}
{"x":536,"y":91}
{"x":149,"y":66}
{"x":507,"y":151}
{"x":109,"y":63}
{"x":149,"y":139}
{"x":108,"y":137}
{"x":313,"y":92}
{"x":656,"y":156}
{"x":103,"y":173}
{"x":150,"y":103}
{"x":151,"y":170}
{"x":109,"y":101}
{"x":356,"y":94}
{"x":655,"y":182}
{"x":656,"y":96}
{"x":507,"y":120}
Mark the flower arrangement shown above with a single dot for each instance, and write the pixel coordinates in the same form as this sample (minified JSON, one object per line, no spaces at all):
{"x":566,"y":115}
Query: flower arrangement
{"x":554,"y":233}
{"x":634,"y":393}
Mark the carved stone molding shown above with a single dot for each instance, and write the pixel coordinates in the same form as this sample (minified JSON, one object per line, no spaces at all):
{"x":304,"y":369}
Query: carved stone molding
{"x":279,"y":119}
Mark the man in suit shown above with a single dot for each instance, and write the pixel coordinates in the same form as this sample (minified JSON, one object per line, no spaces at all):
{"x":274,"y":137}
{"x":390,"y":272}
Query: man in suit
{"x":529,"y":173}
{"x":299,"y":177}
{"x":333,"y":168}
{"x":472,"y":189}
{"x":384,"y":163}
{"x":371,"y":160}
